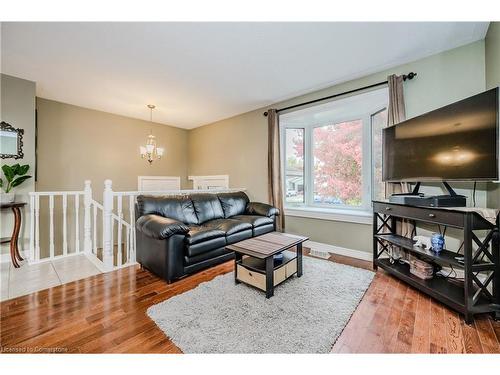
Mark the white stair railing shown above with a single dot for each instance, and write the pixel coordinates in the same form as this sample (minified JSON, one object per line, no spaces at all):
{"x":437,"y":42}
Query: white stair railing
{"x":123,"y":240}
{"x":51,"y":196}
{"x":105,"y":227}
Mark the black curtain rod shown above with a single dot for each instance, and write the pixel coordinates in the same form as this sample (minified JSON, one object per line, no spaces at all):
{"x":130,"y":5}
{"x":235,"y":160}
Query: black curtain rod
{"x":410,"y":75}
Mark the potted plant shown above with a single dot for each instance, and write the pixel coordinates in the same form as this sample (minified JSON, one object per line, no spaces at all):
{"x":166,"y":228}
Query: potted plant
{"x":15,"y":175}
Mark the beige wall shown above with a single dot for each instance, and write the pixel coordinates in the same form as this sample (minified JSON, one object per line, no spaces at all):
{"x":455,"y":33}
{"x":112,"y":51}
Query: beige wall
{"x":75,"y":144}
{"x":238,"y":146}
{"x":18,"y":109}
{"x":492,"y":46}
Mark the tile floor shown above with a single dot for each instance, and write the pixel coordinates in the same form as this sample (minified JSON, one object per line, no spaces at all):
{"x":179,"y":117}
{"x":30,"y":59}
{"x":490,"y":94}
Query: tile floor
{"x":15,"y":282}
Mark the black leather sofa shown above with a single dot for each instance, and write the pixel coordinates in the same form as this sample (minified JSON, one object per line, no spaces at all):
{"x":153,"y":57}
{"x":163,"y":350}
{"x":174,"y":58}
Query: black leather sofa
{"x":180,"y":235}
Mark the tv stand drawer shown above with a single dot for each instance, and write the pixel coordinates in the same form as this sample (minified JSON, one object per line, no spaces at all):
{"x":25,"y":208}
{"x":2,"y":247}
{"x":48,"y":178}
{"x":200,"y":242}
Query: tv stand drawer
{"x":431,"y":215}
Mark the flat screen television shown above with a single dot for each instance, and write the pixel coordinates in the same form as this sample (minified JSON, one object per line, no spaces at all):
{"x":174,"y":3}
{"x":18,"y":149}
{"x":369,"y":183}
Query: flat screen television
{"x":458,"y":142}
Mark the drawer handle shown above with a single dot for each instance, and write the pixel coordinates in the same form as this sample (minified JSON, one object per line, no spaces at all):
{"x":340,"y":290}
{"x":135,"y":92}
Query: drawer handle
{"x":432,"y":215}
{"x":388,"y":208}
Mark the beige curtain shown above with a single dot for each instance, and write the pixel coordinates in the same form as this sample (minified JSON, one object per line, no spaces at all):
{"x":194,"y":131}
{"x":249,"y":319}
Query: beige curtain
{"x":396,"y":113}
{"x":274,"y":167}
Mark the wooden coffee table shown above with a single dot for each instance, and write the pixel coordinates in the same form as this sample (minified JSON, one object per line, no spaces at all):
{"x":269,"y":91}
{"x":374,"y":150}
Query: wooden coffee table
{"x":254,"y":260}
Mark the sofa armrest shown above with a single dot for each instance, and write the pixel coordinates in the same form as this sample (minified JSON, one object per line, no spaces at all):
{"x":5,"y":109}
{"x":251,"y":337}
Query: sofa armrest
{"x":262,"y":209}
{"x":159,"y":227}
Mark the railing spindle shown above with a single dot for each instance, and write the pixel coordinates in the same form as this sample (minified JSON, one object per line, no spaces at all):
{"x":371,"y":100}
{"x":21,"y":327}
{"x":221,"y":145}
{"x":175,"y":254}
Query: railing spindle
{"x":32,"y":227}
{"x":77,"y":223}
{"x":131,"y":208}
{"x":112,"y":224}
{"x":107,"y":226}
{"x":65,"y":226}
{"x":51,"y":226}
{"x":87,"y":202}
{"x":119,"y":234}
{"x":128,"y":244}
{"x":95,"y":230}
{"x":37,"y":228}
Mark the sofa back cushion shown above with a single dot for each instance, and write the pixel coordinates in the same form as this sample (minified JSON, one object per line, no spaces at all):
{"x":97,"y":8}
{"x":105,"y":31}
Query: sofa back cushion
{"x":233,"y":203}
{"x":207,"y":207}
{"x":178,"y":207}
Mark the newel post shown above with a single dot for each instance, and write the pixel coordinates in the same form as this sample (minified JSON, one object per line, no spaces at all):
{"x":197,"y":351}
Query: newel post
{"x":107,"y":226}
{"x":87,"y":203}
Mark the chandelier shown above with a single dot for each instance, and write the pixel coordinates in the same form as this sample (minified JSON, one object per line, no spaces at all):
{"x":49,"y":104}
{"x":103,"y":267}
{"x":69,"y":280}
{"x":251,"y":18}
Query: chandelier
{"x":150,"y":152}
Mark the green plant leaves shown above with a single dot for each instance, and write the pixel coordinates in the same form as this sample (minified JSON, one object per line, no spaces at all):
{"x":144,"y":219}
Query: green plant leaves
{"x":18,"y":181}
{"x":23,"y":169}
{"x":10,"y":172}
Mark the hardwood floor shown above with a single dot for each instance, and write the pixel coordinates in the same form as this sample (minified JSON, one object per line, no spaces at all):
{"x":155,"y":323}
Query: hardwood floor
{"x":106,"y":313}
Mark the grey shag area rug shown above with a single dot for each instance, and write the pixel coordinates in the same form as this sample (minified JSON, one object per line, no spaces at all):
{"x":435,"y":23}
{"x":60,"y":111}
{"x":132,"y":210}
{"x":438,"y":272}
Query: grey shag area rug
{"x":306,"y":314}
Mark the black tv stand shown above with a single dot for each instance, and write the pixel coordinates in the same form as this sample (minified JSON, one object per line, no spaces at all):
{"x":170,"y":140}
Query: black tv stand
{"x":415,"y":198}
{"x":469,"y":296}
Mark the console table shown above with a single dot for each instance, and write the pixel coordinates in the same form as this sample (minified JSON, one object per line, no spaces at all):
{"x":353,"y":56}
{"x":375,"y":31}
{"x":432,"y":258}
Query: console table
{"x":14,"y":250}
{"x":468,"y":296}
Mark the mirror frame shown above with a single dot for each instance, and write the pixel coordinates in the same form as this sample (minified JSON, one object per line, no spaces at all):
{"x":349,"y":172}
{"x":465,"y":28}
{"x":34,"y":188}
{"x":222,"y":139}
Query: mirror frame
{"x":7,"y":127}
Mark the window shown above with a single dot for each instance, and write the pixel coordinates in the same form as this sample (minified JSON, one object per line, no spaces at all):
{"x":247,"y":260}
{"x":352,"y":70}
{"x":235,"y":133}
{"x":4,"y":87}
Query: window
{"x":337,"y":154}
{"x":333,"y":153}
{"x":294,"y":166}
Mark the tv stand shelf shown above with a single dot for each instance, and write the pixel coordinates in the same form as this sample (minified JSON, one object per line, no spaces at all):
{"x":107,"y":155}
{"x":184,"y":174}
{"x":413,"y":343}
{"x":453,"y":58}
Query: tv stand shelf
{"x":473,"y":294}
{"x":447,"y":292}
{"x":444,"y":257}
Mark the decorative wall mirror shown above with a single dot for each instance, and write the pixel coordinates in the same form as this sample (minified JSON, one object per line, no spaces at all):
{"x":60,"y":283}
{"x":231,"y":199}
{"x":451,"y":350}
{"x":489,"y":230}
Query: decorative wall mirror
{"x":11,"y":142}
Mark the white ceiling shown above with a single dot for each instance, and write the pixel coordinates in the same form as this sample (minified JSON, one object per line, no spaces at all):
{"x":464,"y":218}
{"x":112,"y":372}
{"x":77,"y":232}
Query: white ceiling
{"x":198,"y":73}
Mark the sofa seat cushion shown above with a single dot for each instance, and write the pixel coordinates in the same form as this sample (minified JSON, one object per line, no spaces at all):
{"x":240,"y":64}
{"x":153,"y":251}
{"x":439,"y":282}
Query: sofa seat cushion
{"x":239,"y":236}
{"x":194,"y":250}
{"x":190,"y":260}
{"x":200,"y":233}
{"x":255,"y":220}
{"x":228,"y":226}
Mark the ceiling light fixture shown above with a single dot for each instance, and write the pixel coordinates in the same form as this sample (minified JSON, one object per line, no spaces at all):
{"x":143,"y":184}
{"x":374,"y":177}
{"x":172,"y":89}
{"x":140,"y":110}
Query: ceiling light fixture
{"x":150,"y":152}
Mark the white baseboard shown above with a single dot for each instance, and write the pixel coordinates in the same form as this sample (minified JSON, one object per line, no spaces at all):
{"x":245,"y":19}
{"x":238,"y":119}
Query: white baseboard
{"x":323,"y":247}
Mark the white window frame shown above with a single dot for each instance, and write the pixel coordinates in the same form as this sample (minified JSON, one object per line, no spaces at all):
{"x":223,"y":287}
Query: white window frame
{"x":372,"y":164}
{"x":309,"y":209}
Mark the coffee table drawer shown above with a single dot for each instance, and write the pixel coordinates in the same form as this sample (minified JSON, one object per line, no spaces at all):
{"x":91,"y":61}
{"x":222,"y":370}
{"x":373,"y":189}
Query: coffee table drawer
{"x":257,"y":279}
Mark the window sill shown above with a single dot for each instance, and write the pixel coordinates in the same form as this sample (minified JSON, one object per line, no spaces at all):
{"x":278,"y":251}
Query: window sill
{"x":333,"y":214}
